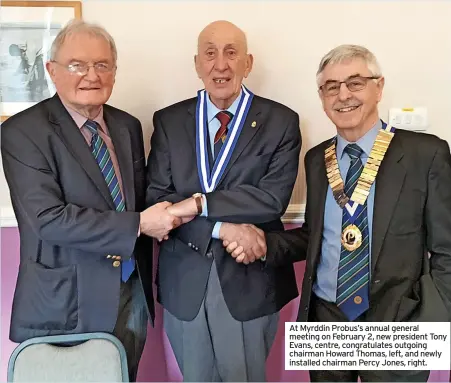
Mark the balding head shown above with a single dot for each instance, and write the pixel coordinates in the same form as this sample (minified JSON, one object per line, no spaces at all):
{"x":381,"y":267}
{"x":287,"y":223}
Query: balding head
{"x":222,"y":61}
{"x":225,"y":30}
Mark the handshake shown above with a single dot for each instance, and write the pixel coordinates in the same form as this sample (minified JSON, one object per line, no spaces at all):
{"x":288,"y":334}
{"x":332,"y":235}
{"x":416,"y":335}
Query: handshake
{"x":246,"y":243}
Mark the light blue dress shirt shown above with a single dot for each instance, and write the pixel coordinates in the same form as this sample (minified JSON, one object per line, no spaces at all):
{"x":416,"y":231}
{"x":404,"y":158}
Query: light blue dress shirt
{"x":325,"y":286}
{"x":213,"y":127}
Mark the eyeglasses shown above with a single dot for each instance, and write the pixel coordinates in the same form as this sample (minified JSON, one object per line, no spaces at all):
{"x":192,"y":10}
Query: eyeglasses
{"x":354,"y":84}
{"x":82,"y":69}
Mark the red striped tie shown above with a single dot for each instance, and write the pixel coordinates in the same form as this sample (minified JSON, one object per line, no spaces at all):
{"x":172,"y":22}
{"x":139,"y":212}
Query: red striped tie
{"x":224,"y":118}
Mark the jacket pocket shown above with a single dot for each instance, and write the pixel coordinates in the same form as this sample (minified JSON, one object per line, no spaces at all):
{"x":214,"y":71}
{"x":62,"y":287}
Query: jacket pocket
{"x":425,"y":306}
{"x":46,"y":298}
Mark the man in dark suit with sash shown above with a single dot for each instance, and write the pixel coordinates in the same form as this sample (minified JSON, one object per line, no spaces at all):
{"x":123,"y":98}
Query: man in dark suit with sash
{"x":377,"y":232}
{"x":238,"y":154}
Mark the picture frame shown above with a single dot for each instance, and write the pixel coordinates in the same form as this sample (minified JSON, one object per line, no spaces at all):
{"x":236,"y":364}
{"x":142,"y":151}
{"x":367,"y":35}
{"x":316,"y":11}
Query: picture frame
{"x":27,"y":30}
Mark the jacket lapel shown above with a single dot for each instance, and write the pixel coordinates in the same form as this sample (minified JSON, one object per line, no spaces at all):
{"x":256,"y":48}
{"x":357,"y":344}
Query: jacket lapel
{"x":190,"y":124}
{"x":389,"y":182}
{"x":122,"y":146}
{"x":317,"y":169}
{"x":252,"y":124}
{"x":76,"y":144}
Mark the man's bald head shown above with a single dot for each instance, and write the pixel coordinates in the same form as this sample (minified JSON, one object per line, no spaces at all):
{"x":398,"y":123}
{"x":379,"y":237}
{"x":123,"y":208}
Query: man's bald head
{"x":226,"y":30}
{"x":222,"y":61}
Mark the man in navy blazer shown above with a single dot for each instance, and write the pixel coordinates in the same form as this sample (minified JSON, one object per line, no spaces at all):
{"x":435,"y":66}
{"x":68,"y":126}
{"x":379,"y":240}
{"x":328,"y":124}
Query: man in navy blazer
{"x":76,"y":172}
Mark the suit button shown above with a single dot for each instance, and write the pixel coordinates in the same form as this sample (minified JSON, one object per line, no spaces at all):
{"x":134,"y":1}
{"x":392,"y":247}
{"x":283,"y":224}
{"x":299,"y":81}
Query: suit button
{"x":209,"y":254}
{"x":377,"y":281}
{"x":306,"y":308}
{"x":116,"y":264}
{"x":196,"y":248}
{"x":190,"y":244}
{"x":109,"y":256}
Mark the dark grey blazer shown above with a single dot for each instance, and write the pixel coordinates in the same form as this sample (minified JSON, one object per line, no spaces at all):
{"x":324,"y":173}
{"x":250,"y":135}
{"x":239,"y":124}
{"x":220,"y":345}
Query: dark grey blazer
{"x":412,"y":216}
{"x":255,"y":188}
{"x":67,"y":221}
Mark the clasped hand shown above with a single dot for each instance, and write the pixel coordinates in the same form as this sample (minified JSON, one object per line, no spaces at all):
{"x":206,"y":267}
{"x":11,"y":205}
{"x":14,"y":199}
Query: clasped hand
{"x":158,"y":220}
{"x":246,"y":243}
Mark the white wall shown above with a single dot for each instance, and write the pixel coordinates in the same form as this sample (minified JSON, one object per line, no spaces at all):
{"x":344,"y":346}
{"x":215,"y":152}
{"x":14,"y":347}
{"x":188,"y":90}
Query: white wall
{"x":157,"y":39}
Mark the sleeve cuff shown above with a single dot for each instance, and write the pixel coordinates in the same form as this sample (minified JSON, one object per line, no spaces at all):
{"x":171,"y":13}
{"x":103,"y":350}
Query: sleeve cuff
{"x":216,"y":228}
{"x":204,"y":206}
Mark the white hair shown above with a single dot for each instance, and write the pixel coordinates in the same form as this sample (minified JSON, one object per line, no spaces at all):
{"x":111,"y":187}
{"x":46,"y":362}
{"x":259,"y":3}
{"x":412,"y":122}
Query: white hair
{"x":82,"y":27}
{"x":349,"y":52}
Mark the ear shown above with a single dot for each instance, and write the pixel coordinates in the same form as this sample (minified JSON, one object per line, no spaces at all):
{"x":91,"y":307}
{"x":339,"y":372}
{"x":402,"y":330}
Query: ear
{"x":380,"y":88}
{"x":114,"y":74}
{"x":51,"y":69}
{"x":320,"y":94}
{"x":197,"y":65}
{"x":249,"y":64}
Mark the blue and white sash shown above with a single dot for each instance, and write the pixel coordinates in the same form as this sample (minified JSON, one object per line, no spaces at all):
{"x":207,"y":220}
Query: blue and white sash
{"x":209,"y":180}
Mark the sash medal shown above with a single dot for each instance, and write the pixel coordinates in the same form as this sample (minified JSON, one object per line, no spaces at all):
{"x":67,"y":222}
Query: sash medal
{"x":209,"y":180}
{"x":351,"y":238}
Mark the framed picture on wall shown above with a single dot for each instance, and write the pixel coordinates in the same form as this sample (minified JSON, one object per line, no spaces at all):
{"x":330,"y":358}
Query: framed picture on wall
{"x":27,"y":30}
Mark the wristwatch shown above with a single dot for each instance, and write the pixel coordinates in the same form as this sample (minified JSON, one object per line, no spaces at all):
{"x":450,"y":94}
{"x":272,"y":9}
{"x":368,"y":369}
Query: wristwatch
{"x":198,"y":198}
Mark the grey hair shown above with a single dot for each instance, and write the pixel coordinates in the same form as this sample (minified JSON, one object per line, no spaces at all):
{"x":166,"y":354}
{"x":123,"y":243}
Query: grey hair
{"x":349,"y":52}
{"x":80,"y":27}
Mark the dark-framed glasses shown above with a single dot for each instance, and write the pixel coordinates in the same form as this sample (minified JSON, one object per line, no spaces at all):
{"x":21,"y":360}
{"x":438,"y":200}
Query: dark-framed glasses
{"x":354,"y":84}
{"x":82,"y":69}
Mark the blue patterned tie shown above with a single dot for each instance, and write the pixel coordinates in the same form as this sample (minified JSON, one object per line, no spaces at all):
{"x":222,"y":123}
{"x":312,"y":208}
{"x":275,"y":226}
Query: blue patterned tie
{"x":103,"y":158}
{"x":353,"y":268}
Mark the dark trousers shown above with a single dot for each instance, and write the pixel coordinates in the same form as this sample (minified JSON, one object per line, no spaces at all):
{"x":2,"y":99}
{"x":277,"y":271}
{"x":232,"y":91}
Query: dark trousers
{"x":323,"y":311}
{"x":131,"y":325}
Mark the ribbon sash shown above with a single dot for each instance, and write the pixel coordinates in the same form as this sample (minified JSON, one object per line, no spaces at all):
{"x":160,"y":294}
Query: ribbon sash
{"x":209,"y":180}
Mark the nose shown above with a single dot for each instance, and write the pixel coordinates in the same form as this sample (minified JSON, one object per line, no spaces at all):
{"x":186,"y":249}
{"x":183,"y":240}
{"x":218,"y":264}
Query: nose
{"x":344,"y":93}
{"x":92,"y":74}
{"x":221,"y":62}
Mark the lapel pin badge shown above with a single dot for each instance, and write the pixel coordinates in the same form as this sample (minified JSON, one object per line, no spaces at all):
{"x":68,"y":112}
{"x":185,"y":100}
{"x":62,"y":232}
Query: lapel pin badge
{"x":254,"y":124}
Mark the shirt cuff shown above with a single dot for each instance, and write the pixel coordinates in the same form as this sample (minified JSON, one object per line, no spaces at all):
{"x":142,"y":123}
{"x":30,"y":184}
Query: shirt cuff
{"x":204,"y":206}
{"x":216,"y":228}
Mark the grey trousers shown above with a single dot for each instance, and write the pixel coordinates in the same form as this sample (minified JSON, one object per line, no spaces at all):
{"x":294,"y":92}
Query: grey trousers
{"x":131,"y":325}
{"x":215,"y":347}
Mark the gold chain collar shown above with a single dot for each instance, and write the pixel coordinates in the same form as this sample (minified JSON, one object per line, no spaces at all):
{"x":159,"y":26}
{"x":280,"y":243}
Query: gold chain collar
{"x":369,"y":173}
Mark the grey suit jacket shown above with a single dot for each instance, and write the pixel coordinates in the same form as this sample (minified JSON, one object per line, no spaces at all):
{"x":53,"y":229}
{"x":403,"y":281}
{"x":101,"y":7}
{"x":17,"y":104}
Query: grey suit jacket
{"x":255,"y":188}
{"x":67,"y":221}
{"x":412,"y":217}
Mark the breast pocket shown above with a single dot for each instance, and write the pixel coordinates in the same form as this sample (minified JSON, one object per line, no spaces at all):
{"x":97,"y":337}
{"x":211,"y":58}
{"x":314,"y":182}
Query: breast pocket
{"x":408,"y":214}
{"x":251,"y":168}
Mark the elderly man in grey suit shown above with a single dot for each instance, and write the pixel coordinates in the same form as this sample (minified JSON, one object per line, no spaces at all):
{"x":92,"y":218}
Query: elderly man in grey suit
{"x":238,"y":154}
{"x":76,"y":172}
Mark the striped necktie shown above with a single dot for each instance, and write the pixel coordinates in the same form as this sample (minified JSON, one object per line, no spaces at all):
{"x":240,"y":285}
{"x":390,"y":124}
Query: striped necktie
{"x":224,"y":118}
{"x":353,"y":268}
{"x":102,"y":156}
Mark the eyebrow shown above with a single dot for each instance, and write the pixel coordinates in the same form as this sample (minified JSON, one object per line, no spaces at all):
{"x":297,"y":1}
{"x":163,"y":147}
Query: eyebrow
{"x":210,"y":44}
{"x":104,"y":60}
{"x":348,"y":78}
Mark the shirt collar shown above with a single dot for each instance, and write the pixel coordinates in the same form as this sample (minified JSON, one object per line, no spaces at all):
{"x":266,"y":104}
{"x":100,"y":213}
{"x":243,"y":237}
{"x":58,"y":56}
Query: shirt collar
{"x":366,"y":142}
{"x":80,"y":119}
{"x":212,"y":109}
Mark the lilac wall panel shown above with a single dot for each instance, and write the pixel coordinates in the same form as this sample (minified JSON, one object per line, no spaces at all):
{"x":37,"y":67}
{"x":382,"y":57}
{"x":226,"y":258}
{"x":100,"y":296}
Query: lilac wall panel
{"x":158,"y":363}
